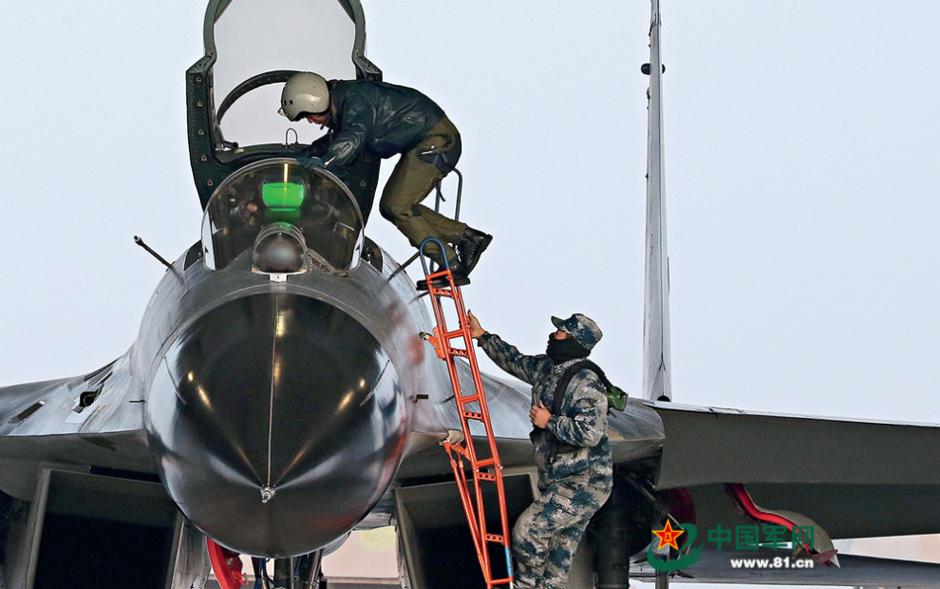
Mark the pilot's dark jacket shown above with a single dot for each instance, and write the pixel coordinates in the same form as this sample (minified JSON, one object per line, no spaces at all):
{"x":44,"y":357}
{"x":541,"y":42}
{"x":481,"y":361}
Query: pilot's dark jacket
{"x":372,"y":119}
{"x":385,"y":118}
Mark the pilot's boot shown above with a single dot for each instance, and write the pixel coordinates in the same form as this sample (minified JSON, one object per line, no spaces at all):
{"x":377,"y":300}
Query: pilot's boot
{"x":460,"y":276}
{"x":472,"y":246}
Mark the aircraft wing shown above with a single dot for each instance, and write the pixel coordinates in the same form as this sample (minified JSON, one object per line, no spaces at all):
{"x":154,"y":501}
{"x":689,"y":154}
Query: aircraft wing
{"x":854,"y":478}
{"x":727,"y":469}
{"x":93,"y":419}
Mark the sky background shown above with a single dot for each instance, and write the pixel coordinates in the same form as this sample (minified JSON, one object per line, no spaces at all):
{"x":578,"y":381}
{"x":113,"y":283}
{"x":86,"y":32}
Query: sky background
{"x":802,"y":168}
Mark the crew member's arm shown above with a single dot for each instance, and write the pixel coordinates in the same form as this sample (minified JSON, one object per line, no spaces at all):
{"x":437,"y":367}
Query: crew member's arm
{"x":589,"y":422}
{"x":350,"y":139}
{"x":507,"y":357}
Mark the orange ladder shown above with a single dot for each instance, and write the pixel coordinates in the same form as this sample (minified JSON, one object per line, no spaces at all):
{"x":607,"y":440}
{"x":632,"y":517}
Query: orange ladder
{"x":485,"y":468}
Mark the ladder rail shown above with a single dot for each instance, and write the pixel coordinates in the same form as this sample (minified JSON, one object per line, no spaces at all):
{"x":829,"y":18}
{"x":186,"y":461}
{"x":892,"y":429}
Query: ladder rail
{"x":484,"y":409}
{"x":461,"y":478}
{"x":451,"y":366}
{"x":463,"y":456}
{"x":480,"y":531}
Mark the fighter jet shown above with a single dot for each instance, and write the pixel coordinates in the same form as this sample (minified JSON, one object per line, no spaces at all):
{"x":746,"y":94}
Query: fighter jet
{"x":279,"y":396}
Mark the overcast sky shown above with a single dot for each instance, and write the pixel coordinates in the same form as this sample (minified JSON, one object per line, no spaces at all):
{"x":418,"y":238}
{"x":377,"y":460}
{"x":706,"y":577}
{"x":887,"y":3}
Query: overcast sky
{"x":802,"y":168}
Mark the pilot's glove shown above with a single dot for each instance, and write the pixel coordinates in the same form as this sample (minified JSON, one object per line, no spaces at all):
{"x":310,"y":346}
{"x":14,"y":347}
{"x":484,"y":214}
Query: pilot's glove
{"x":311,"y":163}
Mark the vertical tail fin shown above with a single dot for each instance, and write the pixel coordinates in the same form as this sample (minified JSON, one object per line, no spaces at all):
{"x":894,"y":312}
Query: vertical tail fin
{"x":657,"y":367}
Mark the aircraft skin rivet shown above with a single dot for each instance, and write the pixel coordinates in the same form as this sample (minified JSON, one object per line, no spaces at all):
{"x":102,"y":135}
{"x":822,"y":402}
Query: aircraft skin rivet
{"x":209,"y":183}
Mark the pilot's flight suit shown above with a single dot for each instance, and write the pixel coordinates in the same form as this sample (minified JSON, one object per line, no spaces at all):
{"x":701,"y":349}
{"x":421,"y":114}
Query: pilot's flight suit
{"x":387,"y":119}
{"x":574,"y":483}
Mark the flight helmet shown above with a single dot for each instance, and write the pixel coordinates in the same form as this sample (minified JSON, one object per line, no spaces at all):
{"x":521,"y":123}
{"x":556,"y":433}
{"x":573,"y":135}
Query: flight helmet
{"x":304,"y":93}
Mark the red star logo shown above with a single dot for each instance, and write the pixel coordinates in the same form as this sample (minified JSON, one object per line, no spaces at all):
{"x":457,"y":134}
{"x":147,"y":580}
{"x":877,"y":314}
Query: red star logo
{"x":667,"y":536}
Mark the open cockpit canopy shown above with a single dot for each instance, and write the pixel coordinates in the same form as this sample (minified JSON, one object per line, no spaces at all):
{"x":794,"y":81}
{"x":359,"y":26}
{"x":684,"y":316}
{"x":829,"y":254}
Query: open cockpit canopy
{"x":253,"y":38}
{"x":251,"y":49}
{"x":279,"y":193}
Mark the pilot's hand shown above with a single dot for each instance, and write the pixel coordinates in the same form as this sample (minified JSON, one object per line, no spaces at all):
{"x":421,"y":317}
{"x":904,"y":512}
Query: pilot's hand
{"x":475,"y":330}
{"x":310,"y":163}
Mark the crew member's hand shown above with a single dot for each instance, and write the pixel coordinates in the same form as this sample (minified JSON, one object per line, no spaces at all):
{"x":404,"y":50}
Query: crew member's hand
{"x":475,"y":330}
{"x":539,"y":416}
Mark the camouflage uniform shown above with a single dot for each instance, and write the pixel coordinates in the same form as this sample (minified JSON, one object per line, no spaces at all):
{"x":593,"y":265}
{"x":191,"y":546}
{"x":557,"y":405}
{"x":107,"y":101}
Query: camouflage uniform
{"x":573,"y":485}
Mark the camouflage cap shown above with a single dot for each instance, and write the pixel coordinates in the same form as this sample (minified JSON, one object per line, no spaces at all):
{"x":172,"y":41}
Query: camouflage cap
{"x":582,"y":328}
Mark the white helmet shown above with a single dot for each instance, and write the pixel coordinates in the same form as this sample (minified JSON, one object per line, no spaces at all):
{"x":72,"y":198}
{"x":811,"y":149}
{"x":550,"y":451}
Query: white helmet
{"x":304,"y":93}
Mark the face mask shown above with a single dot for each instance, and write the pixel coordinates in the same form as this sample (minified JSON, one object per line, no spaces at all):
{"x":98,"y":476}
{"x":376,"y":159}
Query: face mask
{"x":562,"y":350}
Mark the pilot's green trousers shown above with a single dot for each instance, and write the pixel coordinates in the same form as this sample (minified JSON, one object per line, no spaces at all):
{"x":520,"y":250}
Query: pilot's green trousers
{"x":412,"y":180}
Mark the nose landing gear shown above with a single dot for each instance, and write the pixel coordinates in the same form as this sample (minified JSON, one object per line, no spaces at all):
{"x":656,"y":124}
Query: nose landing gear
{"x":304,"y":572}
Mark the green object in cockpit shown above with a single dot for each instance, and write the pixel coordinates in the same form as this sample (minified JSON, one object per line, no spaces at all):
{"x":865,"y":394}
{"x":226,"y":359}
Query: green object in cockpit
{"x":283,"y":196}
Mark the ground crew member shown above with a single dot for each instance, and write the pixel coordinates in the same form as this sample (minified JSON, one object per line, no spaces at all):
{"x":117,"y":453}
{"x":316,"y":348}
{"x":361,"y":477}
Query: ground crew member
{"x":387,"y":120}
{"x":572,"y":451}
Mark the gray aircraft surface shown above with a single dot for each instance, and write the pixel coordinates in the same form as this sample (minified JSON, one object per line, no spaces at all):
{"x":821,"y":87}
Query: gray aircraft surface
{"x":279,"y":396}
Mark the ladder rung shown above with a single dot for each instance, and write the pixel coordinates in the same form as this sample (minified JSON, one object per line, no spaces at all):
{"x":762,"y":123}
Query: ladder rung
{"x":498,"y":538}
{"x":485,"y":462}
{"x":473,"y":415}
{"x":501,"y":581}
{"x":469,"y":399}
{"x":442,"y":292}
{"x":458,"y":352}
{"x":454,"y":334}
{"x":486,"y":476}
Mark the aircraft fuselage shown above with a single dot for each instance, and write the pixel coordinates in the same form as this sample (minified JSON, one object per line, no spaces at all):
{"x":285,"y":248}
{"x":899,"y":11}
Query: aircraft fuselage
{"x":271,"y":404}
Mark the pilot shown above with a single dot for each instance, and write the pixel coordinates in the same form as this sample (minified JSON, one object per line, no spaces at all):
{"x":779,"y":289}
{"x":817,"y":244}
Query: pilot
{"x":387,"y":120}
{"x":572,"y":451}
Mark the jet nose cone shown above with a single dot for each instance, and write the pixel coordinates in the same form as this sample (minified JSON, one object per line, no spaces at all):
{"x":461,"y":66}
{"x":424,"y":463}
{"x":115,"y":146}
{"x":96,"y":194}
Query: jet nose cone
{"x":277,"y":422}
